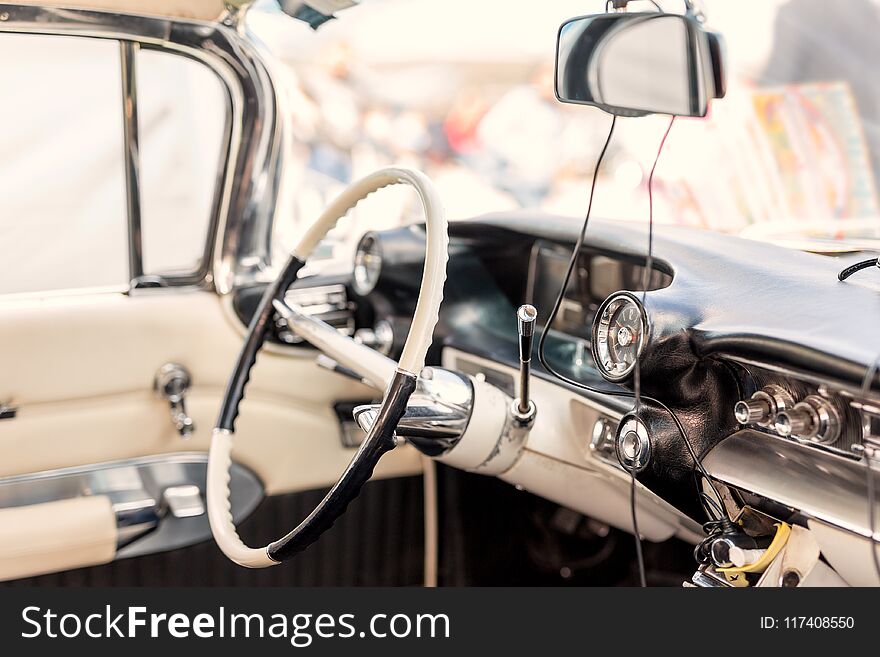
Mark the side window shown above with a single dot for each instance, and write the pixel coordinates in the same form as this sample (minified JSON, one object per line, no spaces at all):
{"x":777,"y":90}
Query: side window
{"x":182,"y":125}
{"x":62,"y":182}
{"x":63,"y":194}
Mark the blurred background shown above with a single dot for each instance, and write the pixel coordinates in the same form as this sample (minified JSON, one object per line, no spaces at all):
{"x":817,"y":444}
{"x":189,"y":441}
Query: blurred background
{"x":464,"y":91}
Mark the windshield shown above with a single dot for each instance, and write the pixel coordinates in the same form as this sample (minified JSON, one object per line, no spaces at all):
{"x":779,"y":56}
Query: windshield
{"x":463,"y":90}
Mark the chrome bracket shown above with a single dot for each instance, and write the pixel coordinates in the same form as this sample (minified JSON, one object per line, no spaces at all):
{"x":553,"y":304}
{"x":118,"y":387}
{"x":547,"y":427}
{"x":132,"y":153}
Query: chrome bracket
{"x":171,"y":383}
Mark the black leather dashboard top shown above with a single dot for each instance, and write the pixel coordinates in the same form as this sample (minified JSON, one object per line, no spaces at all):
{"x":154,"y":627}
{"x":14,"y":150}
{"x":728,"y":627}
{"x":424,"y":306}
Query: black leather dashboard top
{"x":735,"y":297}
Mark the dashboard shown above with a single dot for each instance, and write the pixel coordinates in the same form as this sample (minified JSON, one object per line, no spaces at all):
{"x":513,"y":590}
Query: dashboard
{"x":748,"y":352}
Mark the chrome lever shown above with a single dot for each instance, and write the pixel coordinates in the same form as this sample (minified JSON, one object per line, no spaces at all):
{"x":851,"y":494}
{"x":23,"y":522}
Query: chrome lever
{"x":325,"y":362}
{"x":171,"y":383}
{"x":524,"y":407}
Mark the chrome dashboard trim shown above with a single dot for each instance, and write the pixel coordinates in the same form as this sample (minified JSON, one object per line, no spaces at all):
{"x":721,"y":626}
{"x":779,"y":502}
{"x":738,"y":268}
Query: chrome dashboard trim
{"x":802,"y":375}
{"x":249,"y":181}
{"x":821,"y":485}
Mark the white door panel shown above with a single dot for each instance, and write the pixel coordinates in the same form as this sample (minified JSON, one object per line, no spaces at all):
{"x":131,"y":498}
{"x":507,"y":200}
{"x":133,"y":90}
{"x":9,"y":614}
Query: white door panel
{"x":80,"y":370}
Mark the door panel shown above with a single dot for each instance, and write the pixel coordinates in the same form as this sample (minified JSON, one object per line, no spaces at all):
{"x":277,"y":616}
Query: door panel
{"x":79,"y":365}
{"x":80,"y":370}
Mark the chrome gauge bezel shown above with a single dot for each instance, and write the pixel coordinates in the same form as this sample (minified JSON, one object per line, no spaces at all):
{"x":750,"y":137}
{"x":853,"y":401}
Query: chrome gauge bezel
{"x":602,"y":320}
{"x":367,"y":265}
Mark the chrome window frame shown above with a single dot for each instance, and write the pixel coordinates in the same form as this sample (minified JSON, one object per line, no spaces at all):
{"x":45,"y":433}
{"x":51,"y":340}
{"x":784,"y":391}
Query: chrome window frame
{"x":238,"y":246}
{"x":131,"y":149}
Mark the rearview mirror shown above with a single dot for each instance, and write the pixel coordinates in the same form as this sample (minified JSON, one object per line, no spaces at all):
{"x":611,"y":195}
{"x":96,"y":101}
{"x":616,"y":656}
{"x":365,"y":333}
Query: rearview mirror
{"x":639,"y":63}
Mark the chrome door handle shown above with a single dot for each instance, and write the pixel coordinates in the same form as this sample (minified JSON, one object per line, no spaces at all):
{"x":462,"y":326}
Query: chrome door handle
{"x":171,"y":383}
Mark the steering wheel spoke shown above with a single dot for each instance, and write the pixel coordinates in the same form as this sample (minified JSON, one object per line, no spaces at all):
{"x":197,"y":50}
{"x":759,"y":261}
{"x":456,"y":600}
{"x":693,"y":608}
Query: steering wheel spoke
{"x":371,"y":367}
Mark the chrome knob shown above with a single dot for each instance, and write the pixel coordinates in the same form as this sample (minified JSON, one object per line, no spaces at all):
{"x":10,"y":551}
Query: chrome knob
{"x":798,"y":422}
{"x":633,"y":444}
{"x":525,"y":327}
{"x":814,"y":419}
{"x":752,"y":411}
{"x":763,"y":406}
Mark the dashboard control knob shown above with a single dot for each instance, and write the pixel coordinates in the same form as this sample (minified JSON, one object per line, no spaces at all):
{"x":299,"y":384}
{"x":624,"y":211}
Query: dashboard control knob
{"x":752,"y":411}
{"x":815,"y":419}
{"x":630,"y":445}
{"x":763,"y":406}
{"x":633,"y":444}
{"x":797,"y":422}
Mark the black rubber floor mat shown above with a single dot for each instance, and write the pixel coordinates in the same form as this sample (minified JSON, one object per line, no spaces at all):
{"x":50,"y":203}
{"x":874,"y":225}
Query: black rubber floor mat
{"x":493,"y":534}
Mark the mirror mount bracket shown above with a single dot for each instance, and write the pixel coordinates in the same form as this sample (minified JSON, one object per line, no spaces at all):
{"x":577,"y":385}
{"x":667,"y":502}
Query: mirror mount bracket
{"x":691,"y":8}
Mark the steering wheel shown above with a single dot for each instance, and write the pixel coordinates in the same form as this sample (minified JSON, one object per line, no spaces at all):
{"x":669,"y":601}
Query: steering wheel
{"x":399,"y":380}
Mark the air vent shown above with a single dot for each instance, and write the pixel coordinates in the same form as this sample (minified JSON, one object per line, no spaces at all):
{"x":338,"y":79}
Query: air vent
{"x":328,"y":303}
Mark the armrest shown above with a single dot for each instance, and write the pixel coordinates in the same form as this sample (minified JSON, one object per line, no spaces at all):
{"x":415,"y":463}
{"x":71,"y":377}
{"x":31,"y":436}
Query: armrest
{"x":45,"y":538}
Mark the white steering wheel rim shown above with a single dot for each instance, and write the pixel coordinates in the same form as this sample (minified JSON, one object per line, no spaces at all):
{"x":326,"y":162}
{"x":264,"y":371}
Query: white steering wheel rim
{"x":427,"y":311}
{"x":412,"y":359}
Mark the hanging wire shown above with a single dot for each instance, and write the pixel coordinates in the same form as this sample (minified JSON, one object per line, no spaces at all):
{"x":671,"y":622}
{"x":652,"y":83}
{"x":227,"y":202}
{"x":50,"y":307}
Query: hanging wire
{"x":542,"y":358}
{"x":714,"y":514}
{"x":637,"y":381}
{"x":649,"y":261}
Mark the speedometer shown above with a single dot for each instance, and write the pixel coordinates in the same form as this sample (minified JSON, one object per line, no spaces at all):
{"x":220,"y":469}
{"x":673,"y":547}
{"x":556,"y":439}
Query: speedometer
{"x":618,"y":336}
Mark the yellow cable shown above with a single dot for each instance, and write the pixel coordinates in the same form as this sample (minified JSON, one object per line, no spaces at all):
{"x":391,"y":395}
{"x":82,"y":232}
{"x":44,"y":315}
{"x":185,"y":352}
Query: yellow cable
{"x":783,"y":531}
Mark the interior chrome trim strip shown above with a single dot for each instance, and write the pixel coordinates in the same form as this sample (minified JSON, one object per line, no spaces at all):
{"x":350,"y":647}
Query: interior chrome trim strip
{"x":821,"y":485}
{"x":804,"y":376}
{"x":128,"y":60}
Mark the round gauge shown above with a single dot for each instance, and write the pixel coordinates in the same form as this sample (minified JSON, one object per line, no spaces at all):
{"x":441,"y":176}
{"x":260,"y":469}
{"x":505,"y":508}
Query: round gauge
{"x":618,"y":336}
{"x":367,"y":264}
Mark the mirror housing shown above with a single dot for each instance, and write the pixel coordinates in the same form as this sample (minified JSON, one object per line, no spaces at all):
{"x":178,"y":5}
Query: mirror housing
{"x":633,"y":64}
